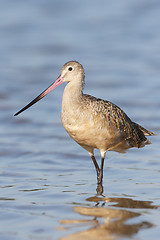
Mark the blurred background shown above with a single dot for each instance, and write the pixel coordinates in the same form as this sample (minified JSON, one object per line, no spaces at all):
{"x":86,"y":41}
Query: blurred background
{"x":43,"y":172}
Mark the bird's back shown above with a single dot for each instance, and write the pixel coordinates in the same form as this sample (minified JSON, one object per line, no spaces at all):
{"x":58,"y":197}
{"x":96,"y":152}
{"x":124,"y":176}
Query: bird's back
{"x":97,"y":123}
{"x":126,"y":134}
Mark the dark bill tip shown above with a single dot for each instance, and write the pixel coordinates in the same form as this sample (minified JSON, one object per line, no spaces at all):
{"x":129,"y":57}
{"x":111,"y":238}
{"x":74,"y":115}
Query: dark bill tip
{"x":58,"y":82}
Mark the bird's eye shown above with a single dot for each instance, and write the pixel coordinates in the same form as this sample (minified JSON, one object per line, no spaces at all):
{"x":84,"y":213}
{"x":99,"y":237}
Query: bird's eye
{"x":70,"y":69}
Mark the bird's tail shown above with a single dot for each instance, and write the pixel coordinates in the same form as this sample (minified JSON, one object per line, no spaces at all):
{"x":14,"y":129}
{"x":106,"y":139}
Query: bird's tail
{"x":145,"y":131}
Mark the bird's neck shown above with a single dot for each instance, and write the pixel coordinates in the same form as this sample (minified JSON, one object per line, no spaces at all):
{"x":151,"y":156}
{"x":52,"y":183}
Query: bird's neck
{"x":72,"y":94}
{"x":71,"y":106}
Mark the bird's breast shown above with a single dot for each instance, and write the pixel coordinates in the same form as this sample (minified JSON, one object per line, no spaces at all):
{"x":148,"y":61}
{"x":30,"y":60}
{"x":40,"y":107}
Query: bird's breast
{"x":87,"y":126}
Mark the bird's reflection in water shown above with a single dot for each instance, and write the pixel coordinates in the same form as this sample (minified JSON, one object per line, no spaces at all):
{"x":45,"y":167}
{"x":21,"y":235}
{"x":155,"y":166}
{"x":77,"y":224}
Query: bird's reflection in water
{"x":107,"y":218}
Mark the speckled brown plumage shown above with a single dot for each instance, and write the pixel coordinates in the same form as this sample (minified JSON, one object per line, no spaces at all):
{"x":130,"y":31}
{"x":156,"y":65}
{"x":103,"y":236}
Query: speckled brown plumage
{"x":132,"y":132}
{"x":93,"y":122}
{"x":96,"y":123}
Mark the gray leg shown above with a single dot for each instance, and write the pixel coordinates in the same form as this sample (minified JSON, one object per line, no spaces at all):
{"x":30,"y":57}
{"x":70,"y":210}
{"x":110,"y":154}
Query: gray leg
{"x":98,"y":170}
{"x":100,"y":178}
{"x":95,"y":164}
{"x":100,"y":174}
{"x":99,"y":189}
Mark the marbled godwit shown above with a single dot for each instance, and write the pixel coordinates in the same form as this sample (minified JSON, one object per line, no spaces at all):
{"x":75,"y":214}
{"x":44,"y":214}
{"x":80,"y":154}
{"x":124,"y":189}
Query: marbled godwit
{"x":93,"y":122}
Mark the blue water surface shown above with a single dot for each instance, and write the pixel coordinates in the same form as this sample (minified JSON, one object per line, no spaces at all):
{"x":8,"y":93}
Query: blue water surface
{"x":43,"y":173}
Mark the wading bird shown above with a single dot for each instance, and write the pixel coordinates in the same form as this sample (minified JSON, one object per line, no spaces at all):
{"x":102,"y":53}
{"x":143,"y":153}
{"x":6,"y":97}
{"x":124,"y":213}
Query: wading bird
{"x":93,"y":122}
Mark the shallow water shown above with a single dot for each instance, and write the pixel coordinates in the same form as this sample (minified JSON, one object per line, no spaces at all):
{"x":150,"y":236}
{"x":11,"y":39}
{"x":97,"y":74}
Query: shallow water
{"x":47,"y":182}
